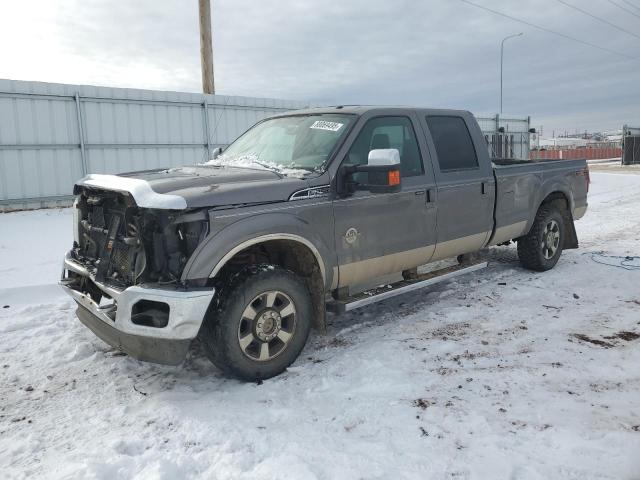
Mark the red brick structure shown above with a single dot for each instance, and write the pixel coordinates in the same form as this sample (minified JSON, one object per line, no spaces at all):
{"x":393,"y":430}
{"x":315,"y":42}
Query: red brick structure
{"x":577,"y":153}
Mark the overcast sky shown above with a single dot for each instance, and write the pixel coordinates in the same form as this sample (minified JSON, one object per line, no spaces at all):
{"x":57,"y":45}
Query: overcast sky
{"x":436,"y":53}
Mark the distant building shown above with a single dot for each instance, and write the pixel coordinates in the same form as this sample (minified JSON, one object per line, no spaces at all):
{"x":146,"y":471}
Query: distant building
{"x":562,"y":143}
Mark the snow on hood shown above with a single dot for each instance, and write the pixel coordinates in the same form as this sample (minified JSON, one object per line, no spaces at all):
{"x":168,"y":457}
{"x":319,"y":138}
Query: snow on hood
{"x":252,"y":160}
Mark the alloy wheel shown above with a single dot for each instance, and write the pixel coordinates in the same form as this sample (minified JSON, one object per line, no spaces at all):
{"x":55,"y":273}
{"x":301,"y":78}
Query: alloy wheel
{"x":267,"y":325}
{"x":550,"y":239}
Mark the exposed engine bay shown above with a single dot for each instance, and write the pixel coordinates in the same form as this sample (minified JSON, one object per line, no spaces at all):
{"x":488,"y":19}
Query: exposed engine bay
{"x":122,"y":244}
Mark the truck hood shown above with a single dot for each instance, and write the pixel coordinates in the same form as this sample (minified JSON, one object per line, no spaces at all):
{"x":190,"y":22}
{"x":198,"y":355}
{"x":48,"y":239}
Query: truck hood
{"x":198,"y":186}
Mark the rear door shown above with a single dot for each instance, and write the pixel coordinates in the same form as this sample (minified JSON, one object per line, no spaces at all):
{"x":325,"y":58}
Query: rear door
{"x":465,"y":182}
{"x":377,"y":234}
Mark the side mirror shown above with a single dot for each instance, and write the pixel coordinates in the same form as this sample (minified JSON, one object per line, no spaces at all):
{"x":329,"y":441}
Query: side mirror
{"x":217,"y":152}
{"x":383,"y":173}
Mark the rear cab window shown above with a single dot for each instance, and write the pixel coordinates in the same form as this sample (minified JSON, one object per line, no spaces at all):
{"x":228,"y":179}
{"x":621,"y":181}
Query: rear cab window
{"x":454,"y":145}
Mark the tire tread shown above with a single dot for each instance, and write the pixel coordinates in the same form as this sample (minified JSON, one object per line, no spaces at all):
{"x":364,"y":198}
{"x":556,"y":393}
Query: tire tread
{"x":528,"y":246}
{"x":217,"y":339}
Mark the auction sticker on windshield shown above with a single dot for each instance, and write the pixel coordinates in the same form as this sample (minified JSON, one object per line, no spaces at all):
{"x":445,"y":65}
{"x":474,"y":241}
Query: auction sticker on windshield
{"x":324,"y":125}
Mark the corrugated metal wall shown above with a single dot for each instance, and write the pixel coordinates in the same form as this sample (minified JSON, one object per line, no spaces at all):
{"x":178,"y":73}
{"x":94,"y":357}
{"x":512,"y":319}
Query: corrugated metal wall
{"x":53,"y":134}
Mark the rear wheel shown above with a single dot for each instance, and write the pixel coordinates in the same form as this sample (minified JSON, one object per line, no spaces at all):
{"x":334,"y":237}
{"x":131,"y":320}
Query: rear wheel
{"x":541,"y":248}
{"x":261,"y":326}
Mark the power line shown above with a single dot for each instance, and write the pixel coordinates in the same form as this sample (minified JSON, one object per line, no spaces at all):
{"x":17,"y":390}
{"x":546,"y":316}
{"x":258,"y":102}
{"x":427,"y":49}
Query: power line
{"x":624,"y":8}
{"x":600,"y":19}
{"x":548,"y":30}
{"x":632,"y":4}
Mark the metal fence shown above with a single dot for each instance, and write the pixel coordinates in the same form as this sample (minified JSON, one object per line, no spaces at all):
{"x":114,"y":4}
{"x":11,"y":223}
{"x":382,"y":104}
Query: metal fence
{"x":507,"y":137}
{"x":630,"y":145}
{"x":53,"y":134}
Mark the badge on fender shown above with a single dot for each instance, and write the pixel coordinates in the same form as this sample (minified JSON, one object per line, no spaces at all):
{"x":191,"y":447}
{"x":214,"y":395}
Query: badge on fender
{"x":351,"y":235}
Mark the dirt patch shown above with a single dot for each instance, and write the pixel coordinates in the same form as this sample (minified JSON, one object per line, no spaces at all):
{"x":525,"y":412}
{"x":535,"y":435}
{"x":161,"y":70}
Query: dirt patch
{"x":609,"y":340}
{"x":453,"y":330}
{"x":445,"y":371}
{"x":601,"y":343}
{"x":339,"y":342}
{"x":626,"y":336}
{"x":423,"y":403}
{"x":467,"y":355}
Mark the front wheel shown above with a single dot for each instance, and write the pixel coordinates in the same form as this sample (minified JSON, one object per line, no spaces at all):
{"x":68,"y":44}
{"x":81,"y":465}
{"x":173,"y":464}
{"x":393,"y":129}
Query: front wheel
{"x":261,"y":326}
{"x":541,"y":248}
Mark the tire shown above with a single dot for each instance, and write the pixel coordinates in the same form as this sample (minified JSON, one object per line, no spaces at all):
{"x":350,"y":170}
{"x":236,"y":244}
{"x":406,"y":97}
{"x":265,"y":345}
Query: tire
{"x":539,"y":250}
{"x":261,"y":324}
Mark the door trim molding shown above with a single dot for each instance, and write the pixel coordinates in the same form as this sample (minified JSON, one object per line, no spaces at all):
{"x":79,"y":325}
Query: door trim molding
{"x":364,"y":270}
{"x":458,"y":246}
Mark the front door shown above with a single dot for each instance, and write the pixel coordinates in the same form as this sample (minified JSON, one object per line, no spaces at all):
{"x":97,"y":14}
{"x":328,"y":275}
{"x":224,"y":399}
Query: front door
{"x":378,"y":234}
{"x":466,"y":187}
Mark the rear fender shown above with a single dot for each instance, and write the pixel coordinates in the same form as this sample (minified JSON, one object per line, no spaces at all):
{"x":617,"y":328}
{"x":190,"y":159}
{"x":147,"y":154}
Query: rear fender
{"x":560,"y":195}
{"x":547,"y":190}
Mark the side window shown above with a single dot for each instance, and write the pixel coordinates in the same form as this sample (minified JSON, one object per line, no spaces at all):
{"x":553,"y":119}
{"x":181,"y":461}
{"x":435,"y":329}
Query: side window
{"x":453,"y":143}
{"x":388,"y":132}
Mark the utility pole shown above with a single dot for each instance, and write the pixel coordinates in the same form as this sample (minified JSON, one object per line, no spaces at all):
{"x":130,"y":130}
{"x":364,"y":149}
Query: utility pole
{"x":502,"y":61}
{"x":206,"y":47}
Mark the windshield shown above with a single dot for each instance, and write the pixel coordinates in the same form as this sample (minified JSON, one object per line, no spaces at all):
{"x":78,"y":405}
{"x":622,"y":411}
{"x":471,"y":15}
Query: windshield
{"x":288,"y":145}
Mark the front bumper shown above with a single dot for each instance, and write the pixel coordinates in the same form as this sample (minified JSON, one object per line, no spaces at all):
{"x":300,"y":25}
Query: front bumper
{"x":113,"y":323}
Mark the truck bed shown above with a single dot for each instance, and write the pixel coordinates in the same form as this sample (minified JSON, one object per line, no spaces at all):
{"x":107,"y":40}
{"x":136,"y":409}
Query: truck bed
{"x":517,"y":161}
{"x":522,"y":185}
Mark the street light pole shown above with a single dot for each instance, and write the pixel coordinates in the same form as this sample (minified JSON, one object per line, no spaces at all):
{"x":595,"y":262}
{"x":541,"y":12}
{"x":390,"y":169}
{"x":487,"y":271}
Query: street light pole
{"x":502,"y":61}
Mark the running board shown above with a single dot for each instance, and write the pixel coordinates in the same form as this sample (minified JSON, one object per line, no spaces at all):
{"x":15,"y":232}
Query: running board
{"x":403,"y":286}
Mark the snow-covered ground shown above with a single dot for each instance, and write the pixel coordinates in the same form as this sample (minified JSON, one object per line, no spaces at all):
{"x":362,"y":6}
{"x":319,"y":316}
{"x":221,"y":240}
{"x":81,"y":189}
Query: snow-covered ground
{"x":504,"y":374}
{"x":30,"y":243}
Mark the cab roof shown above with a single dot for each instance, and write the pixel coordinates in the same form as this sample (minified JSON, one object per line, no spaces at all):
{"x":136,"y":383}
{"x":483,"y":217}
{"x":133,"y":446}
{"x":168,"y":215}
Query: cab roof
{"x":362,"y":109}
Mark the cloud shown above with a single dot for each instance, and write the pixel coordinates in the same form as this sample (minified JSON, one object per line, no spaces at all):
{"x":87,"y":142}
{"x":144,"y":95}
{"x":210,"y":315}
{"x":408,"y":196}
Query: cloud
{"x":441,"y":53}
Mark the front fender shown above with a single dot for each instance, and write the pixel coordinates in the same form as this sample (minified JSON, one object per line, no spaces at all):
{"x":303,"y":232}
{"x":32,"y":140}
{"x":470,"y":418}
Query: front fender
{"x":218,"y":248}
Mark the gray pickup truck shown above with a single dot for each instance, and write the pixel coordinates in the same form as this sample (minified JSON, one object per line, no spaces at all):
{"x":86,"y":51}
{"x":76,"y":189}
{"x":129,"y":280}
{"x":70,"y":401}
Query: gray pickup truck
{"x":248,"y":250}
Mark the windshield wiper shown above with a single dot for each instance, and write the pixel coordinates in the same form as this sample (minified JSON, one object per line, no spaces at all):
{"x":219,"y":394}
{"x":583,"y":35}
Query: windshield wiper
{"x":300,"y":167}
{"x":272,"y":168}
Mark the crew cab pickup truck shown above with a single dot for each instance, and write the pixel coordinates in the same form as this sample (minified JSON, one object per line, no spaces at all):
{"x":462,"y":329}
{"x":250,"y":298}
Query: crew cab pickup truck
{"x":247,"y":250}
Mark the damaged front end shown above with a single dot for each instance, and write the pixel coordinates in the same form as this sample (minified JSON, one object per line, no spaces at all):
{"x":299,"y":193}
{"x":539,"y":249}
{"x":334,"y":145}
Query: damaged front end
{"x":126,"y":245}
{"x":125,"y":269}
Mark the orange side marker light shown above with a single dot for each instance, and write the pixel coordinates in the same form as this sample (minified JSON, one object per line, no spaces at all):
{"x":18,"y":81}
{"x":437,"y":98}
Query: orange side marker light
{"x":394,"y":177}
